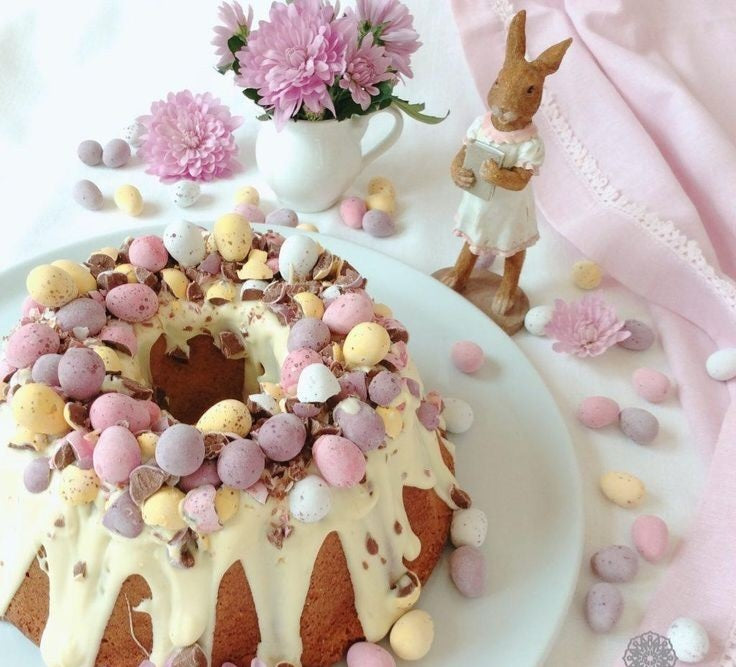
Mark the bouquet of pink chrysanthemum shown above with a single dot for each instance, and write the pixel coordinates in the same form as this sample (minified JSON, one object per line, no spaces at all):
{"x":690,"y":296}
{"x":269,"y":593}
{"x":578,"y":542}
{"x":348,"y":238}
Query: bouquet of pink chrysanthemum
{"x":308,"y":61}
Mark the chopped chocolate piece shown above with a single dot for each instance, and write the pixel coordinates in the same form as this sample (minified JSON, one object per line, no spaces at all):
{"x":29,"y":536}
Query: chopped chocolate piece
{"x":276,"y":292}
{"x":80,"y":570}
{"x":190,"y":656}
{"x":25,"y":445}
{"x":123,"y":257}
{"x":213,"y":444}
{"x":147,"y":278}
{"x":99,"y":262}
{"x":287,"y":312}
{"x":460,"y":498}
{"x":181,"y":550}
{"x":398,"y":528}
{"x":396,"y":330}
{"x":229,"y":271}
{"x":194,"y":293}
{"x":365,"y":565}
{"x":251,"y":294}
{"x":59,"y":522}
{"x":145,"y":480}
{"x":63,"y":456}
{"x":178,"y":354}
{"x":406,"y":584}
{"x":305,"y":410}
{"x":77,"y":415}
{"x":371,"y":545}
{"x":230,"y":344}
{"x":325,"y":266}
{"x":136,"y":389}
{"x":211,"y":264}
{"x":108,"y":280}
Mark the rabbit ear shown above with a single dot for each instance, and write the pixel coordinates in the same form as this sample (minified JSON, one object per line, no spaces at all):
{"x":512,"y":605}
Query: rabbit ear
{"x":516,"y":40}
{"x":549,"y":61}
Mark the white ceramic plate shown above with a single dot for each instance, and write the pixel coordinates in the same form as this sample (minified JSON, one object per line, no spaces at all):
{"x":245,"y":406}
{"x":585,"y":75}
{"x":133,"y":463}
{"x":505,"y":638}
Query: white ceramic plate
{"x":517,"y":462}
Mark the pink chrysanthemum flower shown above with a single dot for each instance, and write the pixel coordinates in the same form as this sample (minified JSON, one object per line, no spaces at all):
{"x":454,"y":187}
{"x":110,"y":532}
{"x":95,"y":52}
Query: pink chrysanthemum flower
{"x":189,"y":137}
{"x":367,"y":65}
{"x":585,"y":328}
{"x":234,"y":24}
{"x":293,"y":58}
{"x":393,"y":27}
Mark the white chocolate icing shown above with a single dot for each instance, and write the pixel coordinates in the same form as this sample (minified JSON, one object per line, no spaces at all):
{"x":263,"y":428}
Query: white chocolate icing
{"x":182,"y":601}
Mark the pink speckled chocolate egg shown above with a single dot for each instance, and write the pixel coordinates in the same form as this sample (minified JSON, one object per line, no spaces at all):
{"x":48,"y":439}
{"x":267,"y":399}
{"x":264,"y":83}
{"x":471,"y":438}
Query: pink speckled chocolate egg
{"x":241,"y":463}
{"x":651,"y":537}
{"x":205,"y":474}
{"x":81,"y":373}
{"x":29,"y":306}
{"x":365,"y":654}
{"x":379,"y":223}
{"x":132,"y":302}
{"x":467,"y":356}
{"x":29,"y":342}
{"x":148,"y":252}
{"x":294,"y":364}
{"x":347,"y":311}
{"x":121,"y":336}
{"x":283,"y":217}
{"x":250,"y":212}
{"x":116,"y":454}
{"x":82,"y":313}
{"x":340,"y":461}
{"x":352,"y":210}
{"x":468,"y":571}
{"x":598,"y":411}
{"x":651,"y":385}
{"x":114,"y":408}
{"x":198,"y":508}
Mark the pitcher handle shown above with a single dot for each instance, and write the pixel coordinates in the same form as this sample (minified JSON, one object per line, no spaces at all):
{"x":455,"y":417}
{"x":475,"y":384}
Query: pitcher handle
{"x":389,"y":140}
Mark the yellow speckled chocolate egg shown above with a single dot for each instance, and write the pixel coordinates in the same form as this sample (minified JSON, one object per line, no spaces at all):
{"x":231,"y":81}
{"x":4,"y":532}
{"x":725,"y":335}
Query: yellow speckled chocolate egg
{"x":381,"y":202}
{"x":147,"y":442}
{"x":81,"y":276}
{"x":382,"y":310}
{"x":586,"y":274}
{"x":24,"y":436}
{"x":247,"y":195}
{"x":40,"y":409}
{"x":311,"y":304}
{"x":77,"y":486}
{"x":109,"y":357}
{"x":365,"y":345}
{"x":162,"y":509}
{"x":176,"y":281}
{"x":412,"y":635}
{"x":228,"y":416}
{"x":392,"y":420}
{"x":109,"y":251}
{"x":307,"y":227}
{"x":381,"y":185}
{"x":220,"y":291}
{"x":233,"y":235}
{"x":128,"y":270}
{"x":227,"y":503}
{"x":129,"y":200}
{"x":51,"y":286}
{"x":623,"y":489}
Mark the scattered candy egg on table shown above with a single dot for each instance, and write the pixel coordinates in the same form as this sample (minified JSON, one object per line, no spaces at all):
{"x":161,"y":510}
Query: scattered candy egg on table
{"x":360,"y":423}
{"x":123,"y":517}
{"x":467,"y":356}
{"x":347,"y":311}
{"x":297,"y":258}
{"x":129,"y":200}
{"x":250,"y":212}
{"x":37,"y":475}
{"x":185,"y":194}
{"x":651,"y":385}
{"x":90,"y":152}
{"x":78,"y":486}
{"x":651,"y":537}
{"x":689,"y":640}
{"x":384,"y":387}
{"x":379,"y":224}
{"x":282,"y":217}
{"x":282,"y":436}
{"x":113,"y":408}
{"x":586,"y":274}
{"x":641,"y":338}
{"x":623,"y":489}
{"x":294,"y":363}
{"x":352,"y":210}
{"x":339,"y":460}
{"x":81,"y":373}
{"x":639,"y":425}
{"x":198,"y":509}
{"x":240,"y":464}
{"x":412,"y":636}
{"x":458,"y":415}
{"x":598,"y":411}
{"x":367,"y":344}
{"x":721,"y":365}
{"x":46,"y":369}
{"x":133,"y":133}
{"x":316,"y":384}
{"x":381,"y":201}
{"x":468,"y":571}
{"x":469,"y":527}
{"x":380,"y":184}
{"x":116,"y":454}
{"x":185,"y":243}
{"x":133,"y":302}
{"x":307,"y":227}
{"x":51,"y":286}
{"x":616,"y":564}
{"x":39,"y":409}
{"x":537,"y":319}
{"x":29,"y":342}
{"x":366,"y":654}
{"x":148,"y":252}
{"x":603,"y":607}
{"x":310,"y":499}
{"x":88,"y":195}
{"x":83,"y":279}
{"x":162,"y":509}
{"x":247,"y":195}
{"x":116,"y":153}
{"x":180,"y":450}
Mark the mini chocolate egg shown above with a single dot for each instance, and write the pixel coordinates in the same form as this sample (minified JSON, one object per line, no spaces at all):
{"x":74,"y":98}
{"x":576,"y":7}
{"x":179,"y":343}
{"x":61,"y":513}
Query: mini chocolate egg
{"x":162,"y":509}
{"x":294,"y":363}
{"x":651,"y":537}
{"x":282,"y":217}
{"x":227,"y":503}
{"x":116,"y":153}
{"x":469,"y":527}
{"x":311,"y":305}
{"x":39,"y":408}
{"x":352,"y":210}
{"x":88,"y":195}
{"x":360,"y":423}
{"x":467,"y":356}
{"x":307,"y":227}
{"x":598,"y":411}
{"x":379,"y":224}
{"x":121,"y":336}
{"x":198,"y":509}
{"x":458,"y":415}
{"x":537,"y":319}
{"x":37,"y":475}
{"x":641,"y":338}
{"x":114,"y":408}
{"x":226,"y":416}
{"x":651,"y":384}
{"x":366,"y":654}
{"x":316,"y":384}
{"x":384,"y":388}
{"x":639,"y":425}
{"x":412,"y":636}
{"x":247,"y":195}
{"x":51,"y":286}
{"x":233,"y":235}
{"x":90,"y":152}
{"x":81,"y":373}
{"x":339,"y":460}
{"x":46,"y":370}
{"x":603,"y":607}
{"x":123,"y":517}
{"x":185,"y":243}
{"x":623,"y":489}
{"x":380,"y":184}
{"x":308,"y":333}
{"x":220,"y":292}
{"x":240,"y":464}
{"x":185,"y":194}
{"x":689,"y":640}
{"x":310,"y":499}
{"x":250,"y":212}
{"x":29,"y":342}
{"x":616,"y":564}
{"x":381,"y":202}
{"x":393,"y":420}
{"x":148,"y":252}
{"x":81,"y":275}
{"x":366,"y":345}
{"x":721,"y":365}
{"x":586,"y":274}
{"x":133,"y":133}
{"x":129,"y":200}
{"x":348,"y":311}
{"x":468,"y":571}
{"x":78,"y":486}
{"x":297,"y":258}
{"x":176,"y":281}
{"x":133,"y":302}
{"x":116,"y":455}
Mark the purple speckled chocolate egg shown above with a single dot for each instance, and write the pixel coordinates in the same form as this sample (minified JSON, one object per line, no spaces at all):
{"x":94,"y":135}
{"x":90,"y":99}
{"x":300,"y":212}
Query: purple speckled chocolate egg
{"x":180,"y":450}
{"x":240,"y":464}
{"x":360,"y":423}
{"x":88,"y":195}
{"x":282,"y":217}
{"x":282,"y":436}
{"x":82,"y":313}
{"x":132,"y":302}
{"x":468,"y":571}
{"x":37,"y":475}
{"x":603,"y":607}
{"x":90,"y":152}
{"x":81,"y":373}
{"x":123,"y":517}
{"x":46,"y":369}
{"x":641,"y":338}
{"x":639,"y":425}
{"x":116,"y":153}
{"x":384,"y":387}
{"x":29,"y":342}
{"x":615,"y":564}
{"x":308,"y":333}
{"x":379,"y":223}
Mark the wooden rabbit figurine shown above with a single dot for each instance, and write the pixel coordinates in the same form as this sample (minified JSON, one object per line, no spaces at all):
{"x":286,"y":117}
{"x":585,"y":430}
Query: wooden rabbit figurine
{"x":506,"y":223}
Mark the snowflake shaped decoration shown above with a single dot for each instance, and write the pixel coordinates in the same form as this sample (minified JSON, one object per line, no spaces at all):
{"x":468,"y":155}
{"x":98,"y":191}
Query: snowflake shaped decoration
{"x":650,"y":650}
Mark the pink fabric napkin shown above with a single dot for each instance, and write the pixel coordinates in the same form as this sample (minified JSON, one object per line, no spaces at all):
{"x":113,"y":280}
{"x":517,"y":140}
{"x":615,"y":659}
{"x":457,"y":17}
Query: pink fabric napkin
{"x":640,"y":175}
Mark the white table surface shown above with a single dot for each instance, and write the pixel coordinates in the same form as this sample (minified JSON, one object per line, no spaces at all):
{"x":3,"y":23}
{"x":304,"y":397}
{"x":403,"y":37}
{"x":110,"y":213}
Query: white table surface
{"x":72,"y":72}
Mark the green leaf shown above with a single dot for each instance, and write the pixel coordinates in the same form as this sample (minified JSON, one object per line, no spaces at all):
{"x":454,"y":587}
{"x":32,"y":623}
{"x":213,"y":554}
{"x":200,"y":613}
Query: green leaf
{"x":252,"y":94}
{"x":415,"y":111}
{"x":235,"y":43}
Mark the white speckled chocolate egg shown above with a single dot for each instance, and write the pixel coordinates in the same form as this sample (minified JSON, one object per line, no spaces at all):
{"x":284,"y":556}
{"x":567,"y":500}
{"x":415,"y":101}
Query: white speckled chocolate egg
{"x":469,"y":527}
{"x":458,"y":415}
{"x":310,"y":500}
{"x":689,"y":640}
{"x":185,"y":193}
{"x":133,"y":133}
{"x":316,"y":384}
{"x":297,"y":257}
{"x":721,"y":365}
{"x":185,"y":243}
{"x":537,"y":319}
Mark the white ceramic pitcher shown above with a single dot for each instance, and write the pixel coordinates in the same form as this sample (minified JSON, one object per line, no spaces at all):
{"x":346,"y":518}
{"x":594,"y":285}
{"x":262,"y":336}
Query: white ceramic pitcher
{"x":310,"y":164}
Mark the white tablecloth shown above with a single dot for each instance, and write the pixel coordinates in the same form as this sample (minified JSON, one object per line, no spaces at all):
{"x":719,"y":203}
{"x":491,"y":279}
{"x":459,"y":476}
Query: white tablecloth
{"x":84,"y":70}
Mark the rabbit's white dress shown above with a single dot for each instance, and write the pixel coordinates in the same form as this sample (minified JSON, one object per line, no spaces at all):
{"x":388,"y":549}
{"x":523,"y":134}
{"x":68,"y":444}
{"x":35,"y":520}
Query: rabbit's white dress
{"x":507,"y":223}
